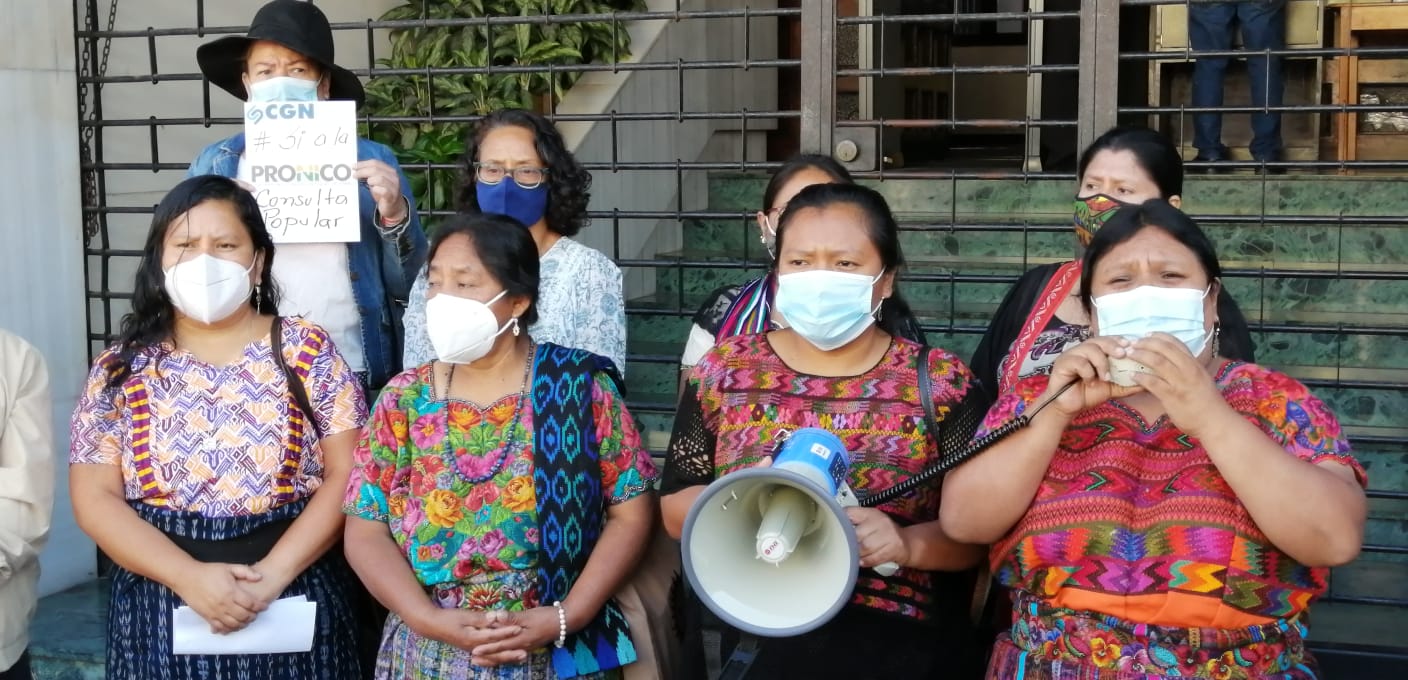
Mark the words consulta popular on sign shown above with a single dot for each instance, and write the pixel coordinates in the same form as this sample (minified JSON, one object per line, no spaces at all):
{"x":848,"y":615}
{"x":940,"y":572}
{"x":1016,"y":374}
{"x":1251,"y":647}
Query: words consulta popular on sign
{"x":300,"y":156}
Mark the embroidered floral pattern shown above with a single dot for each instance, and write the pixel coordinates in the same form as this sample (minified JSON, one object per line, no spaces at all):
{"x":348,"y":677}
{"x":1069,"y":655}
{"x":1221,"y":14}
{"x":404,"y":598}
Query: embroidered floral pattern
{"x":418,"y":453}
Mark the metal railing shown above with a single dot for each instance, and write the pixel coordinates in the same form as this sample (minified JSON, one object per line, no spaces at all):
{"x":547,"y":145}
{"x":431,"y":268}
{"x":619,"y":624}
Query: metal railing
{"x":994,"y":102}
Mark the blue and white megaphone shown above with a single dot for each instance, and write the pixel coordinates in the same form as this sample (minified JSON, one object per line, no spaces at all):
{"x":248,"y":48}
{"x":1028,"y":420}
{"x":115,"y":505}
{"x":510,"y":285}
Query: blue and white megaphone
{"x":770,"y":550}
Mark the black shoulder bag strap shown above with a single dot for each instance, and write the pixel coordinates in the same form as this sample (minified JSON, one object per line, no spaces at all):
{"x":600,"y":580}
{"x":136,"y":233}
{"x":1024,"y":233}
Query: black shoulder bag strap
{"x":295,"y":383}
{"x":982,"y":584}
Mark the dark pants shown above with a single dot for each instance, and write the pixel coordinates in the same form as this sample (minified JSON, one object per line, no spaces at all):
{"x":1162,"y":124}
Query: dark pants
{"x":1210,"y":27}
{"x":19,"y":671}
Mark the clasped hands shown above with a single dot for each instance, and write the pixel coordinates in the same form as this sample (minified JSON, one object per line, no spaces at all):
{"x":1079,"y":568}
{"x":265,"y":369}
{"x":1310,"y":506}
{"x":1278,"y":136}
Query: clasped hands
{"x":878,"y":537}
{"x":492,"y":638}
{"x":229,"y":596}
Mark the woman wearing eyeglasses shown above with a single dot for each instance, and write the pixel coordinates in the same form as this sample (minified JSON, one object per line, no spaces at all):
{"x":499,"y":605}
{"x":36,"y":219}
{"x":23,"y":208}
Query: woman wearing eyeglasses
{"x":516,"y":164}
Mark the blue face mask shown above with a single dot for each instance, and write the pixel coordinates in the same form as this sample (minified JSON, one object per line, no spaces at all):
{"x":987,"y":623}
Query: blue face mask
{"x":829,"y":309}
{"x":507,"y":198}
{"x":284,"y":89}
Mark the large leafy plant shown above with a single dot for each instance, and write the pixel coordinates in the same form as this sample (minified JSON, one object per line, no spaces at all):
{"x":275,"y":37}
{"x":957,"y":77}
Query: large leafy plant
{"x":476,"y":44}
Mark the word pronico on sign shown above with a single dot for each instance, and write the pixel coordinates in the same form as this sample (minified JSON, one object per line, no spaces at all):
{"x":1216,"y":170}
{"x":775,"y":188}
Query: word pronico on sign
{"x":300,"y":156}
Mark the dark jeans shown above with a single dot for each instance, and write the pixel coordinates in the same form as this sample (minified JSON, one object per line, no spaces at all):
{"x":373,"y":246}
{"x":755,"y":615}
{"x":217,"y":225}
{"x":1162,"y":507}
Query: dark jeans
{"x":19,"y":671}
{"x":1263,"y":25}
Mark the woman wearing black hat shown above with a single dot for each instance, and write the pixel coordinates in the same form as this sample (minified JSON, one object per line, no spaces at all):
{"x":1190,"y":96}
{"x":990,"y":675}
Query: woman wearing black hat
{"x":287,"y":55}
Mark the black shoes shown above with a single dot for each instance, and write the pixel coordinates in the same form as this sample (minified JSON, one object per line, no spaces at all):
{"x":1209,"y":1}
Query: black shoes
{"x":1209,"y":164}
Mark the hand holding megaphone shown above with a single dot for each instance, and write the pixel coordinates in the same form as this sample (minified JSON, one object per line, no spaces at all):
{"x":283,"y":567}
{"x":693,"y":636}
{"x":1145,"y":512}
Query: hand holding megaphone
{"x":881,"y":547}
{"x":876,"y":534}
{"x":771,"y":549}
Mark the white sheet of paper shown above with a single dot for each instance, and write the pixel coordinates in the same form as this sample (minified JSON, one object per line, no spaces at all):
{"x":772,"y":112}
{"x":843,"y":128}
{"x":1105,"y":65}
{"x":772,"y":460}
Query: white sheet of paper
{"x":287,"y":626}
{"x":301,"y":158}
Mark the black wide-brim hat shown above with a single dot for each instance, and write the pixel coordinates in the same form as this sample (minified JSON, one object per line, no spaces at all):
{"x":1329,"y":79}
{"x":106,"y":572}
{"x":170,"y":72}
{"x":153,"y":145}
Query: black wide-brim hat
{"x":295,"y":24}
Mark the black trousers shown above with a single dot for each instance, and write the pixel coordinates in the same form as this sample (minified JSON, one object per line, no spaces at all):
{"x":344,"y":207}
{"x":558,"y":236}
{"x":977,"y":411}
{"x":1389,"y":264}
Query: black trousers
{"x":19,"y":671}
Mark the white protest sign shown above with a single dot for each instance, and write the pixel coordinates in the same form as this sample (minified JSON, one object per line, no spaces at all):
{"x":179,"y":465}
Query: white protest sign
{"x":300,"y":157}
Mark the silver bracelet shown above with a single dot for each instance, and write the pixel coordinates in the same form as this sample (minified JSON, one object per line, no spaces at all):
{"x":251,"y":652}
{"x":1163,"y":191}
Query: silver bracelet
{"x":561,"y":625}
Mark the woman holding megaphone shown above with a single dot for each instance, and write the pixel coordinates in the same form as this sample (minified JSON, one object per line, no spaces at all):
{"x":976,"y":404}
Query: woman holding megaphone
{"x":838,"y":365}
{"x":1171,"y":513}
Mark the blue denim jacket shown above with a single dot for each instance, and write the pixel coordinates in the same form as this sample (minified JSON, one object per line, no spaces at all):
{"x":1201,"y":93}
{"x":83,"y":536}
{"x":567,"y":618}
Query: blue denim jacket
{"x":382,"y":268}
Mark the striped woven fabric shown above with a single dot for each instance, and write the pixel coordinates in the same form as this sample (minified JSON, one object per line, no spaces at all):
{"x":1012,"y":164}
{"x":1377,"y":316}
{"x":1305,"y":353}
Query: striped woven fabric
{"x":1134,"y":520}
{"x":139,"y":613}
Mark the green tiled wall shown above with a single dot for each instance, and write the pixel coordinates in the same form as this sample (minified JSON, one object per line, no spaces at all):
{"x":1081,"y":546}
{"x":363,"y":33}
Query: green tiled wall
{"x":1306,"y":255}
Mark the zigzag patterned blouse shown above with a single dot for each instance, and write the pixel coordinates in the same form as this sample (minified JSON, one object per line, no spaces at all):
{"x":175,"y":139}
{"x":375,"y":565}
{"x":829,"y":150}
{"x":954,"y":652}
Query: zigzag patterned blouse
{"x":1133,"y":520}
{"x":741,"y":395}
{"x":217,"y":439}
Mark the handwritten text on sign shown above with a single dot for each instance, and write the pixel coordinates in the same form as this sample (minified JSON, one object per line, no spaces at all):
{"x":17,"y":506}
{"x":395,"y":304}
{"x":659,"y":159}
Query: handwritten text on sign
{"x":300,"y":157}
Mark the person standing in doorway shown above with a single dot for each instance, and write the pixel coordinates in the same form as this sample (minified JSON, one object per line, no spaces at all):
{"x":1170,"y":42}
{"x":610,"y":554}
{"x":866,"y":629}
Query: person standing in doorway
{"x":1263,"y":26}
{"x":26,"y":495}
{"x":356,"y":291}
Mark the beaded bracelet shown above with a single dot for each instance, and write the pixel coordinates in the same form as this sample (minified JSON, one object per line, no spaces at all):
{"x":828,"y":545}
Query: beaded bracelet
{"x":561,"y":625}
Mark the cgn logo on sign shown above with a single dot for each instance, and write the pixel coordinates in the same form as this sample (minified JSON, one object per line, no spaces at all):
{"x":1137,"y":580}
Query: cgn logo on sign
{"x":284,"y":111}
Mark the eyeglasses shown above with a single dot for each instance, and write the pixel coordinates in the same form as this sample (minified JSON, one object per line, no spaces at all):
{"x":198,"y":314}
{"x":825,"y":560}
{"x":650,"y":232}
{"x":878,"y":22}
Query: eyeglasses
{"x":524,"y":176}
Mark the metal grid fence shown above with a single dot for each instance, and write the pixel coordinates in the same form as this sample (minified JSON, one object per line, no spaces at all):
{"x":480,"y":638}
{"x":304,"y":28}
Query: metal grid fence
{"x":716,"y":94}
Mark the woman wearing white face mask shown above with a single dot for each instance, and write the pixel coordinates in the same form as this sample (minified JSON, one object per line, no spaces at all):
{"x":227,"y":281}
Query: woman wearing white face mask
{"x":485,"y":575}
{"x":836,"y":367}
{"x":1173,"y":512}
{"x":211,"y":448}
{"x":748,"y":308}
{"x":1041,"y":316}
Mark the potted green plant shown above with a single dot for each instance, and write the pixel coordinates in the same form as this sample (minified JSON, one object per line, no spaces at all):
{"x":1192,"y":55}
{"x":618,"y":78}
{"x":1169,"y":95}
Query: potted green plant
{"x":428,"y":149}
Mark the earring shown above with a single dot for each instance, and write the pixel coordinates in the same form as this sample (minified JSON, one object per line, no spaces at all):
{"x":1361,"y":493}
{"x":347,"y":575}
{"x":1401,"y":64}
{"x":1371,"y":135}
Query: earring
{"x":1216,"y":339}
{"x":514,"y":321}
{"x":258,"y":299}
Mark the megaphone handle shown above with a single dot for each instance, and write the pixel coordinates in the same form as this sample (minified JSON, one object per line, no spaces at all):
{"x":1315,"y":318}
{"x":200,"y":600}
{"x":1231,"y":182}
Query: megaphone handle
{"x":886,"y":569}
{"x":742,"y":657}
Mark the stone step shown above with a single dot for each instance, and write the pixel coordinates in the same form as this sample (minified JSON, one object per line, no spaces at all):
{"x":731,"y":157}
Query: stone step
{"x":1367,"y":294}
{"x":1311,"y":342}
{"x":1287,"y":196}
{"x":69,"y":636}
{"x":1350,"y":640}
{"x":1025,"y":239}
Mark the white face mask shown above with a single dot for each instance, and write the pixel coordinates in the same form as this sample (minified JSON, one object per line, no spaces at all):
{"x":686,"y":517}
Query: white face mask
{"x":1136,"y":313}
{"x":284,"y":89}
{"x":208,"y":289}
{"x":827,"y":308}
{"x":462,"y":330}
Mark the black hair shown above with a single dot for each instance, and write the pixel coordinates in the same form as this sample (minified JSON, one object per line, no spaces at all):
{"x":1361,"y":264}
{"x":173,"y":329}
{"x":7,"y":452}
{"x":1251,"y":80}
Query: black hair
{"x":798,"y":163}
{"x":153,"y":316}
{"x":1130,"y":220}
{"x":880,"y":227}
{"x":1153,"y":151}
{"x":505,"y":248}
{"x":569,"y":185}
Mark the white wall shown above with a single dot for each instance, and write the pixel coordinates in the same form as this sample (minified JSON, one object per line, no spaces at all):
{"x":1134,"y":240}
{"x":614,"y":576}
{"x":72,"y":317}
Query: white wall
{"x":41,"y":265}
{"x":669,"y":140}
